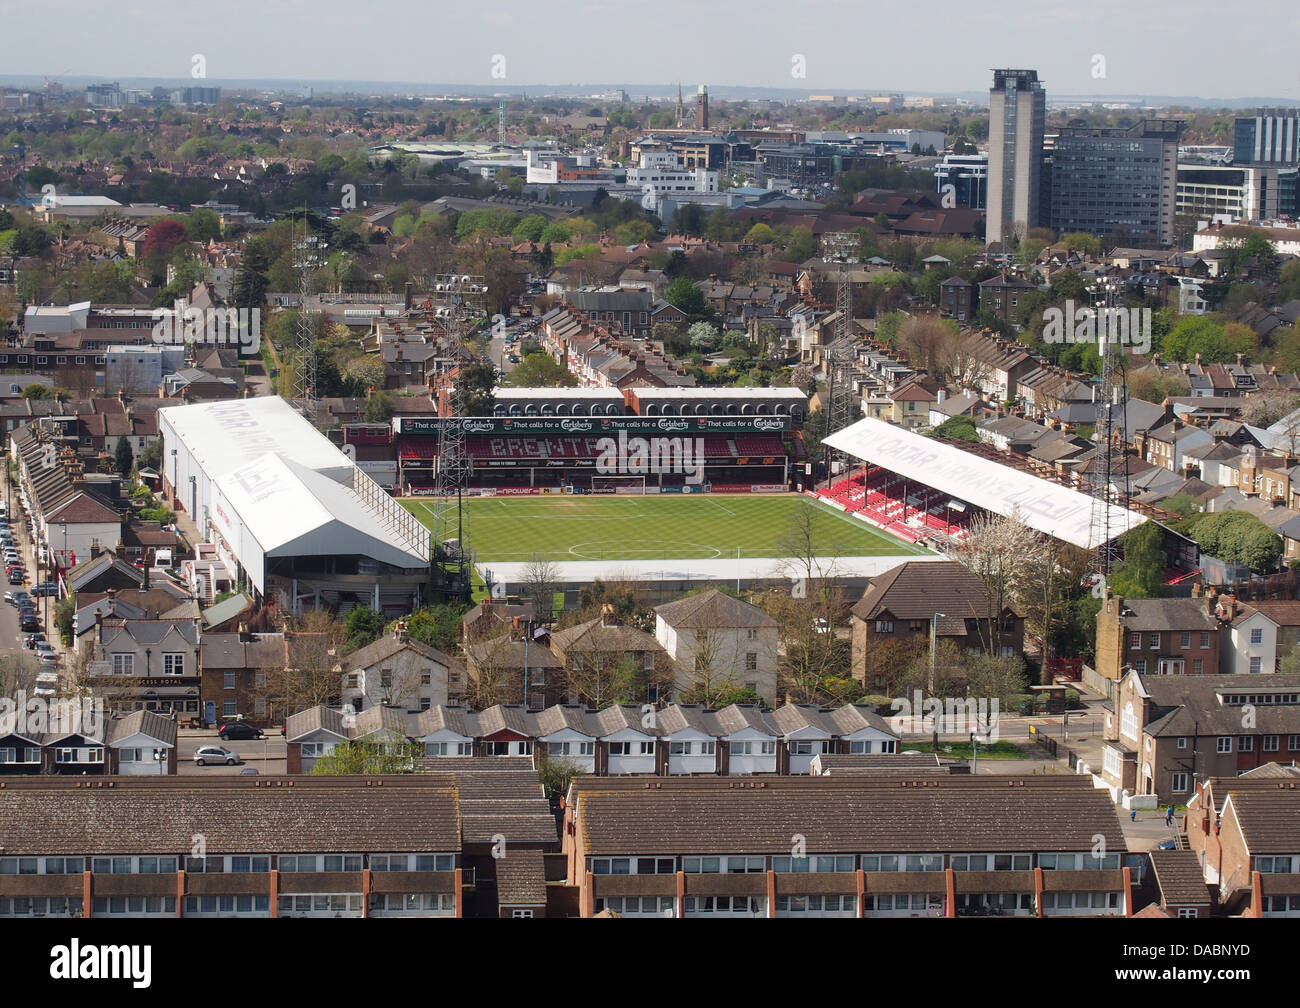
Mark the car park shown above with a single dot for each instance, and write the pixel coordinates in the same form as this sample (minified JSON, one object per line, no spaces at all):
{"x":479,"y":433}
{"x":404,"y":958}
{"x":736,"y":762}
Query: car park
{"x":237,"y":730}
{"x":214,"y":754}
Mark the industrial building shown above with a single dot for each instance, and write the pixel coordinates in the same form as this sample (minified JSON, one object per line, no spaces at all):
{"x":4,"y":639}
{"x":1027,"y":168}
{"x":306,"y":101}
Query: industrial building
{"x":292,"y":517}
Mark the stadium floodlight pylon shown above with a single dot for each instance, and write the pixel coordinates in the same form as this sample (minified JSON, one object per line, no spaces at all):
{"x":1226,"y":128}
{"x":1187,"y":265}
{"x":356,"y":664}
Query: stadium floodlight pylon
{"x":456,"y":302}
{"x":843,"y":406}
{"x":1110,"y":482}
{"x":306,"y":259}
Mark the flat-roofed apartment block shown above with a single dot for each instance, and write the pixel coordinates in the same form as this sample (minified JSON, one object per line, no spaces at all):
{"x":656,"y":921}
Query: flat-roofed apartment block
{"x":397,"y":846}
{"x":1245,"y":832}
{"x":866,"y":846}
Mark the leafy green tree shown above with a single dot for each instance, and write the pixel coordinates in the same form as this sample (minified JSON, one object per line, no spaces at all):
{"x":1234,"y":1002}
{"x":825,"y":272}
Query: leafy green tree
{"x":555,"y":233}
{"x":684,"y":295}
{"x":1141,"y":574}
{"x":473,"y":394}
{"x":364,"y":626}
{"x":36,"y":391}
{"x":369,"y":758}
{"x":540,"y":370}
{"x":529,"y":229}
{"x":251,"y":279}
{"x":123,"y":458}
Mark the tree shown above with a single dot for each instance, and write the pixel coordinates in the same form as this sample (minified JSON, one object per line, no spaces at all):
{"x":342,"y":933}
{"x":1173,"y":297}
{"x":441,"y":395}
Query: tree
{"x":473,"y":394}
{"x":685,"y":296}
{"x":251,"y":279}
{"x":529,"y":229}
{"x":540,"y":370}
{"x":392,"y":755}
{"x":163,"y":238}
{"x":367,"y":372}
{"x":540,"y":579}
{"x":1263,"y":409}
{"x":36,"y":391}
{"x":1141,"y":574}
{"x":703,"y":337}
{"x":123,"y":457}
{"x":998,"y":550}
{"x":928,"y":341}
{"x":364,"y":626}
{"x":310,"y":674}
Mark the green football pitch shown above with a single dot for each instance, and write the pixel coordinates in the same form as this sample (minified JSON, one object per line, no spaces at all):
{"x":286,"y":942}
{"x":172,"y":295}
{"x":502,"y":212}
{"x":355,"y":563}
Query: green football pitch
{"x":687,"y":527}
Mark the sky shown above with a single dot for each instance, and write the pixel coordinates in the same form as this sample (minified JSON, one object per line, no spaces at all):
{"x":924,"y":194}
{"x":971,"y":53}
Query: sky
{"x":1194,"y":48}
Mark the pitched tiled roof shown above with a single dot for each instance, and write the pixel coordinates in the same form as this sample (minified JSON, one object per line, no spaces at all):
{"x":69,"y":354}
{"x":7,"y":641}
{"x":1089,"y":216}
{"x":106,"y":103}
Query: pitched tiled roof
{"x":916,"y":591}
{"x":867,"y":813}
{"x":1178,"y":874}
{"x":162,"y":818}
{"x":521,"y":878}
{"x":1270,"y":819}
{"x":713,"y":610}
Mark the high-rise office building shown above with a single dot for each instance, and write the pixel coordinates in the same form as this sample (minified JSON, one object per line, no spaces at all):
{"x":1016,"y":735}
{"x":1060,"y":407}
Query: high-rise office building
{"x":1103,"y":179}
{"x":1272,"y":136}
{"x":1017,"y":113}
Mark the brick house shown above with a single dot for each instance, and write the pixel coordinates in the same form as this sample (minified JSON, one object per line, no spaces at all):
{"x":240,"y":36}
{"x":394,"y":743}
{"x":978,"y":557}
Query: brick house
{"x":1242,"y":831}
{"x":1163,"y":636}
{"x":902,"y":603}
{"x":1166,"y":733}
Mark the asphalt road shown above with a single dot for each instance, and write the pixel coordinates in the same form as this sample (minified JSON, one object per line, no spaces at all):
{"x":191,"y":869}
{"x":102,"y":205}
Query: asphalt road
{"x":266,"y":756}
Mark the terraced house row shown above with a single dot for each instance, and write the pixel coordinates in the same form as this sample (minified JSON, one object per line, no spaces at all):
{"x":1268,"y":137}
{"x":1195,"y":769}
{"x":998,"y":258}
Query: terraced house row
{"x":739,"y":740}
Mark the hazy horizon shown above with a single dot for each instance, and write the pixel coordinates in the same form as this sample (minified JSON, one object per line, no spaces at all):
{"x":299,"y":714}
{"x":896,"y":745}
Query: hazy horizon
{"x":1110,"y":50}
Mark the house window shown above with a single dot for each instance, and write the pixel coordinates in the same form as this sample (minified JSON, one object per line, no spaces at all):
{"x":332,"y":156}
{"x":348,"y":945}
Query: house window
{"x":1246,"y":743}
{"x":123,"y":664}
{"x":1257,"y":636}
{"x":1135,"y":640}
{"x":1293,"y":743}
{"x":229,"y":678}
{"x":1182,"y":743}
{"x":1186,"y":640}
{"x":1256,"y":665}
{"x":1139,"y":666}
{"x":1224,"y":744}
{"x":884,"y":626}
{"x":1205,"y":639}
{"x":385,"y":678}
{"x":648,"y":661}
{"x":1198,"y":666}
{"x":1270,"y":743}
{"x":751,"y":662}
{"x":1153,"y":641}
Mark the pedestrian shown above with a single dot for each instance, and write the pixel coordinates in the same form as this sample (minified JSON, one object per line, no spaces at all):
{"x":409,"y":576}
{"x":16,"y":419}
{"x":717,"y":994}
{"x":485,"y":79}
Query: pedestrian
{"x":1133,"y":816}
{"x":1169,"y":816}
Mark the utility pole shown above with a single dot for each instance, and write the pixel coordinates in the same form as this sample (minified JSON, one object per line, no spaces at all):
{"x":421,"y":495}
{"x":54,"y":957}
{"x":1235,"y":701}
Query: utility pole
{"x":934,"y":653}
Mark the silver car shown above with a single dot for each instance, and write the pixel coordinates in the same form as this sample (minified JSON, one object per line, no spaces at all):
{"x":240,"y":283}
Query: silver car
{"x":215,"y":754}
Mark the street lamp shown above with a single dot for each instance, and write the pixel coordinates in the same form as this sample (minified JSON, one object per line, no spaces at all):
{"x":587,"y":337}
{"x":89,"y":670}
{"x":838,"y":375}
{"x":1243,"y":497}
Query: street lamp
{"x":934,"y":650}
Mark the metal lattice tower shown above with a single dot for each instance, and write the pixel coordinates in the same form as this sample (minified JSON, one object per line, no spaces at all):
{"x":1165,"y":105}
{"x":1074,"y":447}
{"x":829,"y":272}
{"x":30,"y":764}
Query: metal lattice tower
{"x":306,"y":259}
{"x":501,"y":123}
{"x":456,"y":301}
{"x":842,"y":402}
{"x":1111,"y":467}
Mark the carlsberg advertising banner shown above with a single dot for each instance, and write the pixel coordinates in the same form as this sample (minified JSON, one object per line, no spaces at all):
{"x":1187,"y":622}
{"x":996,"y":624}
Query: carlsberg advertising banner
{"x":598,"y":426}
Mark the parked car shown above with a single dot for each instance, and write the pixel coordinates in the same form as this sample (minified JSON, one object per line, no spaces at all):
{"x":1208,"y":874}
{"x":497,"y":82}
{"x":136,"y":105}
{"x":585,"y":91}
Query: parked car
{"x":48,"y":660}
{"x":234,"y":731}
{"x":30,"y":624}
{"x":44,"y":647}
{"x":249,"y":770}
{"x":17,"y":578}
{"x":46,"y":588}
{"x":215,"y":754}
{"x":33,"y":640}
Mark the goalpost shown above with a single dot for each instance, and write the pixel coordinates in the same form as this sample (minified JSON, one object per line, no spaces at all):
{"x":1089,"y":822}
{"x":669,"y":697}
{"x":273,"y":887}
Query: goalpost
{"x":618,"y":484}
